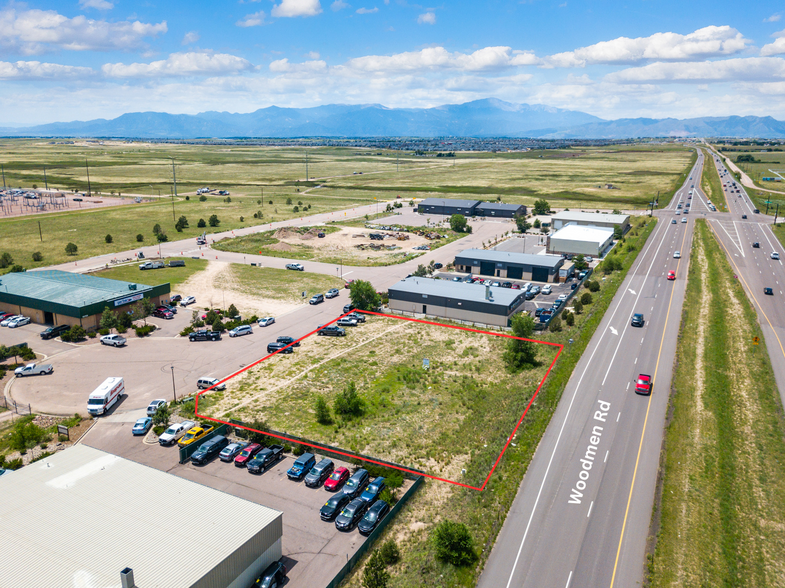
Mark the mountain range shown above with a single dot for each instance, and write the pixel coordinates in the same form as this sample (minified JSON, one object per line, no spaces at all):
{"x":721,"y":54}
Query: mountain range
{"x":481,"y":118}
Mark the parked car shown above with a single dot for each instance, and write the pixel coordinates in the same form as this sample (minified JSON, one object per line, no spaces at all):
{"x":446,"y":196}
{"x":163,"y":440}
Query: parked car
{"x":457,"y":279}
{"x":346,"y":322}
{"x":301,"y":466}
{"x":279,"y":347}
{"x":348,"y":284}
{"x":265,"y":458}
{"x":319,"y":473}
{"x":18,"y":322}
{"x":337,"y":479}
{"x":206,"y":382}
{"x":194,"y":434}
{"x":348,"y":308}
{"x":266,"y":321}
{"x":333,"y":506}
{"x":376,"y":513}
{"x":175,"y":298}
{"x":247,"y":454}
{"x":153,"y":407}
{"x":204,"y":336}
{"x":351,"y":515}
{"x":52,"y":332}
{"x":332,"y":293}
{"x":316,"y":299}
{"x":241,"y":330}
{"x":373,"y":490}
{"x":163,"y":313}
{"x":515,"y":287}
{"x":6,"y":315}
{"x":357,"y":483}
{"x":295,"y":266}
{"x":230,"y":451}
{"x":174,"y":432}
{"x":170,"y":307}
{"x":637,"y":320}
{"x":188,"y":300}
{"x":209,"y":449}
{"x":358,"y":316}
{"x":34,"y":369}
{"x":113,"y":340}
{"x":331,"y":330}
{"x":272,"y":577}
{"x":141,"y":426}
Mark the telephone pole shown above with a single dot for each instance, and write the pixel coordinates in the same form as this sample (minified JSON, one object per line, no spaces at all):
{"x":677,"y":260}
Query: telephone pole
{"x":174,"y":177}
{"x":45,"y":182}
{"x":89,"y":190}
{"x":306,"y":166}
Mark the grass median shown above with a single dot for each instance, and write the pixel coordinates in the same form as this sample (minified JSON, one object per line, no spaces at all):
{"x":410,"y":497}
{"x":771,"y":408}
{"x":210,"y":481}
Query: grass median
{"x":722,"y":502}
{"x":711,"y":184}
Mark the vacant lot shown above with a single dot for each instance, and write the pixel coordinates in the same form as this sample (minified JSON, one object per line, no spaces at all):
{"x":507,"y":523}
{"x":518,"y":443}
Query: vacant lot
{"x":174,"y":275}
{"x":723,"y":496}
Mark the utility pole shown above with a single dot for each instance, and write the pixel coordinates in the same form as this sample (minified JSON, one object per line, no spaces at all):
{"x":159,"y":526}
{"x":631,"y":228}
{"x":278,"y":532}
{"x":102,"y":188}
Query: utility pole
{"x":262,"y":188}
{"x":174,"y":177}
{"x":89,"y":190}
{"x":776,"y":212}
{"x":306,"y":166}
{"x":45,"y":182}
{"x":172,"y":193}
{"x":40,"y":234}
{"x":174,"y":390}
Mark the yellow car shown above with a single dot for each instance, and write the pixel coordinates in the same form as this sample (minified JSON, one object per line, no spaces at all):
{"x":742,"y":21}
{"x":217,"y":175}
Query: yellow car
{"x":194,"y":434}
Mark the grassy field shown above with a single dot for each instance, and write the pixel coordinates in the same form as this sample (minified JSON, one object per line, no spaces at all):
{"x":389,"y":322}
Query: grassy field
{"x":723,"y":494}
{"x":278,"y":284}
{"x":174,"y":275}
{"x":711,"y":184}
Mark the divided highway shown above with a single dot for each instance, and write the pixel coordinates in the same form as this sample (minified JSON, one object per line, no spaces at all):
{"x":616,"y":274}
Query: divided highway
{"x":582,"y":514}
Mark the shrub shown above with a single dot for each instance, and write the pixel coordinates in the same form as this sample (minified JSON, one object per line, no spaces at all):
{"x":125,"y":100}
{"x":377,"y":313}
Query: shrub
{"x":17,"y":269}
{"x":202,"y":198}
{"x":323,"y":415}
{"x":288,"y":201}
{"x":242,"y":219}
{"x":299,"y":449}
{"x":270,"y":202}
{"x":213,"y":220}
{"x":186,"y":331}
{"x":37,"y":256}
{"x":555,"y":324}
{"x":374,"y":574}
{"x":586,"y":298}
{"x":108,"y":238}
{"x":6,"y":260}
{"x":201,"y":224}
{"x":162,"y":416}
{"x":348,"y":402}
{"x":139,"y":238}
{"x":62,"y":438}
{"x":577,"y":307}
{"x":454,"y":543}
{"x":71,"y":249}
{"x":228,"y":199}
{"x":389,"y":495}
{"x":121,"y":329}
{"x":593,"y":286}
{"x":156,"y":229}
{"x":103,"y":332}
{"x":162,"y":237}
{"x":144,"y":330}
{"x":187,"y":197}
{"x":76,"y":333}
{"x":569,"y":319}
{"x":14,"y":464}
{"x":296,"y":209}
{"x":25,"y":434}
{"x":159,"y":429}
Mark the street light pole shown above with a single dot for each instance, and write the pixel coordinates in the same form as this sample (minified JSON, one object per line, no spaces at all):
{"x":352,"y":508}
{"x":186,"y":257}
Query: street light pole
{"x":174,"y":390}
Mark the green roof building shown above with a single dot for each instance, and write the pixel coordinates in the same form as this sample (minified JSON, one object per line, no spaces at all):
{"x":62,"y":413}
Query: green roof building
{"x":56,"y":297}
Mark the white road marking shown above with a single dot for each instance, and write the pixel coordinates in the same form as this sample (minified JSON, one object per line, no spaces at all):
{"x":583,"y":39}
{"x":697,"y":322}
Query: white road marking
{"x":617,"y":417}
{"x":606,"y":456}
{"x":631,"y":291}
{"x":614,"y":331}
{"x":588,"y":514}
{"x":568,"y":581}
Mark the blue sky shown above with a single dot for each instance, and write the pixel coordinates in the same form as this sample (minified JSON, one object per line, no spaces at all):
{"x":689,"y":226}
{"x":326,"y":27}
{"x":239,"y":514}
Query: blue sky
{"x":90,"y":59}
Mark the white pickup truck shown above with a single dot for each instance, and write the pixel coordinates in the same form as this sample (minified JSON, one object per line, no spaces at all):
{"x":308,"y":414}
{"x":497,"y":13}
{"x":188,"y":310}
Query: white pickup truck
{"x":33,"y":369}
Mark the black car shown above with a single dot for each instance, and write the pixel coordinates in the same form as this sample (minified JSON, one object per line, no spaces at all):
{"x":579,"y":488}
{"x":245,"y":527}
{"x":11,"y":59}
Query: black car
{"x":506,"y":284}
{"x":331,"y":330}
{"x":286,"y":340}
{"x":743,"y":216}
{"x":53,"y":332}
{"x":538,"y":312}
{"x":768,"y":291}
{"x":204,"y":336}
{"x":756,"y":245}
{"x":437,"y":266}
{"x":282,"y":347}
{"x":272,"y":577}
{"x":351,"y":515}
{"x":209,"y":449}
{"x":376,"y":513}
{"x":756,"y":211}
{"x":333,"y":506}
{"x":637,"y":320}
{"x":357,"y":483}
{"x":319,"y":473}
{"x":264,"y":459}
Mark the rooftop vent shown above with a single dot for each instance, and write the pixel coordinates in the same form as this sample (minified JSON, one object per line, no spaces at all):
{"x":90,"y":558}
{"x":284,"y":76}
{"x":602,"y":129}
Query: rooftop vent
{"x":127,"y":578}
{"x":132,"y":286}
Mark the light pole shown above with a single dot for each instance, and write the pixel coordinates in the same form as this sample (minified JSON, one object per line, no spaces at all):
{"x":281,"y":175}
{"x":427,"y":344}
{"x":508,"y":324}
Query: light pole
{"x":174,"y":390}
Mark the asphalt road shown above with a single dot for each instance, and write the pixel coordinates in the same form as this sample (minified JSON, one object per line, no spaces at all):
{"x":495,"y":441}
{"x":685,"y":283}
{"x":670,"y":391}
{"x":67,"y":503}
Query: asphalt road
{"x":582,"y":513}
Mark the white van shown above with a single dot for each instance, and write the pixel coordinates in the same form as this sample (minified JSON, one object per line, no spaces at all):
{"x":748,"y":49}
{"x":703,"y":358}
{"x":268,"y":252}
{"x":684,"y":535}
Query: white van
{"x":104,"y":397}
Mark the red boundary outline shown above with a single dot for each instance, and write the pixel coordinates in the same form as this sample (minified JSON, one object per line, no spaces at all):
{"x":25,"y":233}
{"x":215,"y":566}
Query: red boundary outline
{"x":352,"y":456}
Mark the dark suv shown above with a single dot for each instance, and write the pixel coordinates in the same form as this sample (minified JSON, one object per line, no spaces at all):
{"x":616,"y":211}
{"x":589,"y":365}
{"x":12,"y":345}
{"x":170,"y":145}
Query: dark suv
{"x":301,"y":466}
{"x":332,"y":330}
{"x":272,"y":577}
{"x":637,"y":320}
{"x":286,"y":340}
{"x":204,"y":336}
{"x":282,"y":347}
{"x":53,"y":332}
{"x":319,"y":473}
{"x":209,"y":449}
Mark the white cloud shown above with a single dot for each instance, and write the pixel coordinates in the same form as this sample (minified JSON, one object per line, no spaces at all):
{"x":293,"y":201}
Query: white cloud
{"x":35,"y":70}
{"x":283,"y":66}
{"x":773,"y":18}
{"x":706,"y":42}
{"x":367,"y":10}
{"x":97,"y":4}
{"x":740,"y":69}
{"x":180,"y":64}
{"x":438,"y":58}
{"x":312,"y":55}
{"x":339,"y":5}
{"x":190,"y":37}
{"x":775,"y":48}
{"x":289,"y":8}
{"x":251,"y":20}
{"x":427,"y":18}
{"x":36,"y":31}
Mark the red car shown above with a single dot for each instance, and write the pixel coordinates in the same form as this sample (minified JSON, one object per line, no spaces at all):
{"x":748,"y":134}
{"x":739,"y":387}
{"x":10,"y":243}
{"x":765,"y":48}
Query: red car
{"x":336,"y":480}
{"x":247,"y":455}
{"x":348,"y":284}
{"x":643,"y":384}
{"x":163,"y":313}
{"x":671,"y":275}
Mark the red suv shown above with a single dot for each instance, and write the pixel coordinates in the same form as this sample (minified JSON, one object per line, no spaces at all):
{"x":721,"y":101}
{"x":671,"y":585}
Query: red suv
{"x":164,"y":313}
{"x":338,"y":478}
{"x":247,"y":455}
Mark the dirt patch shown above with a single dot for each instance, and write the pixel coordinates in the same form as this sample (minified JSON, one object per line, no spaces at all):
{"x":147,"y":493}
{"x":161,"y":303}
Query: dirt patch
{"x":281,"y":247}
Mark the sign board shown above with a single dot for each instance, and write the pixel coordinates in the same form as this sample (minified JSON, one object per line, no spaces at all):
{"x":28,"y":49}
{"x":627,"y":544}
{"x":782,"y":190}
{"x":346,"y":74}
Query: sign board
{"x":426,"y":363}
{"x":755,"y":340}
{"x":63,"y":430}
{"x":128,"y":299}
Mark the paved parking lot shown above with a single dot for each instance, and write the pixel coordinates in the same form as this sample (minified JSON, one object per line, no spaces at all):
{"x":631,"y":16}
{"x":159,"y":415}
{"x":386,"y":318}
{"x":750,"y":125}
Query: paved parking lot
{"x":314,"y":551}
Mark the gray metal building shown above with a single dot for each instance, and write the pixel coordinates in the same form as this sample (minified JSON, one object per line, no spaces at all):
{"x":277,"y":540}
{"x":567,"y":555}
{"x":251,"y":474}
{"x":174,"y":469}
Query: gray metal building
{"x":499,"y":210}
{"x":576,"y":239}
{"x":447,"y":206}
{"x":505,"y":264}
{"x":455,"y":300}
{"x":81,"y":516}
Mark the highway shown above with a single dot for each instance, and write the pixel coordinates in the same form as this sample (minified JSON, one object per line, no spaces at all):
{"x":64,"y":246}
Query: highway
{"x":581,"y":517}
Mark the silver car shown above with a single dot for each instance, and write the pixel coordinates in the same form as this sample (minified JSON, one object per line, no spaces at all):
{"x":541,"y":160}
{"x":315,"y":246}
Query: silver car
{"x":241,"y":330}
{"x":113,"y":340}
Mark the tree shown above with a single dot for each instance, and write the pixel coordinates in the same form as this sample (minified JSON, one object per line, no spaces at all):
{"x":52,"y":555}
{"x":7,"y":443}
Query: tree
{"x":156,"y":229}
{"x":323,"y":415}
{"x":288,"y":201}
{"x":579,"y":262}
{"x":363,"y":295}
{"x":296,"y":209}
{"x":139,"y":238}
{"x":536,"y":224}
{"x":213,"y":220}
{"x":108,"y":319}
{"x":162,"y":236}
{"x":77,"y":333}
{"x":522,"y":224}
{"x":37,"y":256}
{"x":520,"y":355}
{"x":25,"y":435}
{"x":71,"y":249}
{"x":232,"y":311}
{"x":611,"y":264}
{"x":257,"y":431}
{"x":374,"y":574}
{"x":162,"y":416}
{"x":586,"y":299}
{"x":390,"y":553}
{"x":541,"y":207}
{"x":125,"y":319}
{"x":569,"y":318}
{"x":202,"y":198}
{"x":6,"y":260}
{"x":577,"y":306}
{"x":454,"y":543}
{"x":617,"y":232}
{"x":421,"y":271}
{"x":183,"y":222}
{"x":201,"y":224}
{"x":593,"y":286}
{"x":218,"y":325}
{"x":555,"y":324}
{"x":108,"y":238}
{"x":144,"y":308}
{"x":348,"y":403}
{"x":458,"y":223}
{"x":17,"y":269}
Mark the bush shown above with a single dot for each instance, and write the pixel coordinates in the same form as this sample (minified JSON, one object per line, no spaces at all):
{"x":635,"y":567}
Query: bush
{"x":374,"y":574}
{"x":159,"y":429}
{"x":242,"y":219}
{"x":91,"y":334}
{"x":323,"y":415}
{"x":71,"y":249}
{"x":586,"y":298}
{"x":389,"y":495}
{"x":6,"y":260}
{"x":103,"y":332}
{"x":139,"y":238}
{"x":296,"y":209}
{"x":213,"y":220}
{"x":593,"y":286}
{"x":162,"y":237}
{"x":202,"y":198}
{"x":186,"y":331}
{"x":458,"y":223}
{"x":270,"y":202}
{"x":62,"y":438}
{"x":17,"y":269}
{"x":299,"y":449}
{"x":228,"y":199}
{"x":201,"y":224}
{"x":454,"y":544}
{"x":162,"y":416}
{"x":288,"y":201}
{"x":108,"y":238}
{"x":144,"y":331}
{"x":25,"y":434}
{"x":75,"y":333}
{"x":577,"y":307}
{"x":187,"y":197}
{"x":348,"y":403}
{"x":122,"y":329}
{"x":37,"y":256}
{"x":519,"y":354}
{"x":156,"y":229}
{"x":14,"y":464}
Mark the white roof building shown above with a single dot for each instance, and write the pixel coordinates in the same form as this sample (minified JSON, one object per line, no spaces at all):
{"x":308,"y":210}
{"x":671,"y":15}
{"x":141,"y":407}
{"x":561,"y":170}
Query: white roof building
{"x":597,"y":219}
{"x":581,"y":240}
{"x":81,"y":516}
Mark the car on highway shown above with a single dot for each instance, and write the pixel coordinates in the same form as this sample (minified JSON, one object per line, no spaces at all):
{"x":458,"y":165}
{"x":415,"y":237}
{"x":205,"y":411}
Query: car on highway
{"x":273,"y":576}
{"x":113,"y":340}
{"x":743,"y":216}
{"x":337,"y":479}
{"x":241,"y":330}
{"x":247,"y":454}
{"x":204,"y":336}
{"x":677,"y":255}
{"x":194,"y":434}
{"x":643,"y":384}
{"x":351,"y":515}
{"x":376,"y":513}
{"x":279,"y":347}
{"x":775,"y":255}
{"x":298,"y":267}
{"x":756,"y":245}
{"x":52,"y":332}
{"x":357,"y":483}
{"x":230,"y":451}
{"x":266,"y":321}
{"x":331,"y":331}
{"x":684,"y":220}
{"x":153,"y":407}
{"x":316,"y":299}
{"x":671,"y":275}
{"x":141,"y":426}
{"x":319,"y":473}
{"x":673,"y":221}
{"x":768,"y":291}
{"x":332,"y":293}
{"x":346,"y":322}
{"x":163,"y":313}
{"x":637,"y":320}
{"x":188,"y":300}
{"x":333,"y":506}
{"x":18,"y":321}
{"x":373,"y":490}
{"x":174,"y":432}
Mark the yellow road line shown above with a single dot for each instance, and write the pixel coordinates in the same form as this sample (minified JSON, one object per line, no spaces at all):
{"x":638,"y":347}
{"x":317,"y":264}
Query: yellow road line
{"x":645,"y":421}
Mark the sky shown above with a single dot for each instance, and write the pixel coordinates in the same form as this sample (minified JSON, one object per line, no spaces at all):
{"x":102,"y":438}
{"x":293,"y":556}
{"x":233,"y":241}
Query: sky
{"x":87,"y":59}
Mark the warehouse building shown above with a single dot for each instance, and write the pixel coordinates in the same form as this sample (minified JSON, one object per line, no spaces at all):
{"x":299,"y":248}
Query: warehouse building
{"x":506,"y":264}
{"x":456,"y":301}
{"x":84,"y":517}
{"x":55,"y":297}
{"x":499,"y":210}
{"x":580,"y":240}
{"x":590,"y":219}
{"x":447,"y":206}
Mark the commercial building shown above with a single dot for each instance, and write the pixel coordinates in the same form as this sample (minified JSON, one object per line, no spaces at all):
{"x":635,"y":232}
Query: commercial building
{"x":55,"y":297}
{"x":580,"y":240}
{"x":590,"y":219}
{"x":83,"y":517}
{"x":505,"y":264}
{"x":447,"y":206}
{"x":499,"y":210}
{"x":455,"y":300}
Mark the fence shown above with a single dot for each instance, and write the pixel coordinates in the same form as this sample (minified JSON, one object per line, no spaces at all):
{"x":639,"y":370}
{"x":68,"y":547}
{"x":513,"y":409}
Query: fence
{"x":187,"y":451}
{"x":11,"y":404}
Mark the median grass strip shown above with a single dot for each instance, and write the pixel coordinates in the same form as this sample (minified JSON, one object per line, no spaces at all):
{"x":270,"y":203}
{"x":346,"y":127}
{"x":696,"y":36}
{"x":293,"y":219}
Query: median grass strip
{"x":710,"y":182}
{"x":723,"y":494}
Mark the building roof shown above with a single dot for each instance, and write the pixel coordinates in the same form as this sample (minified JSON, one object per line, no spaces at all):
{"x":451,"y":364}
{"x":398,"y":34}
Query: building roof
{"x":602,"y":217}
{"x":573,"y":232}
{"x":499,"y":206}
{"x":456,"y":290}
{"x":79,"y":517}
{"x":449,"y":202}
{"x":511,"y":257}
